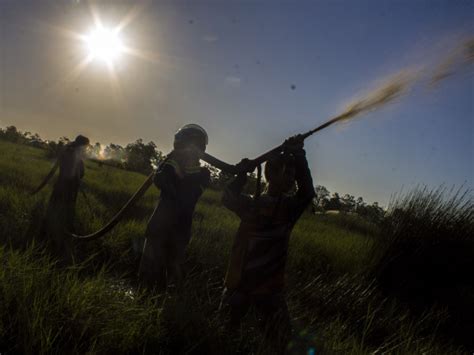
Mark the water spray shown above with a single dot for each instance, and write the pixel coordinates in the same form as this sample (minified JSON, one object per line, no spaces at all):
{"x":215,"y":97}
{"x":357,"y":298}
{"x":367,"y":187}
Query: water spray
{"x":382,"y":95}
{"x":397,"y":85}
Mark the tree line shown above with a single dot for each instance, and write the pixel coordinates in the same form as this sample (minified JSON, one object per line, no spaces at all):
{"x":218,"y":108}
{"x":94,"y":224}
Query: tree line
{"x":325,"y":201}
{"x":137,"y":156}
{"x":144,"y":157}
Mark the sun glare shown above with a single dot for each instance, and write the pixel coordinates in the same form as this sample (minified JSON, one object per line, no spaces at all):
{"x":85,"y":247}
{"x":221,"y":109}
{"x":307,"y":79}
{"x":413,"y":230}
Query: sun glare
{"x":104,"y":44}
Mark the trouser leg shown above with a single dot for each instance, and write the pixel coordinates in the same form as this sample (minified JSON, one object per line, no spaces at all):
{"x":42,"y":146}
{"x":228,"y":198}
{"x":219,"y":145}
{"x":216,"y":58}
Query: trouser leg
{"x":152,"y":270}
{"x":176,"y":255}
{"x":58,"y":221}
{"x":274,"y":320}
{"x":238,"y":304}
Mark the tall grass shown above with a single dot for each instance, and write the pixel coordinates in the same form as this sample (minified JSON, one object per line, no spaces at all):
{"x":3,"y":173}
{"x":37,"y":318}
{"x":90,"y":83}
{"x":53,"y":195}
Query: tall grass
{"x":425,"y":254}
{"x":432,"y":230}
{"x":43,"y":308}
{"x":96,"y":306}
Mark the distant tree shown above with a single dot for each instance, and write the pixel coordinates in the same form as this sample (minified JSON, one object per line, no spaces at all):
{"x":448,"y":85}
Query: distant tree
{"x":112,"y":155}
{"x":55,"y":148}
{"x":360,"y":202}
{"x":220,"y":179}
{"x":95,"y":150}
{"x":12,"y":134}
{"x":348,"y":203}
{"x":115,"y":152}
{"x":360,"y":206}
{"x":64,"y":141}
{"x":36,"y":141}
{"x":27,"y":135}
{"x":142,"y":157}
{"x":322,"y":194}
{"x":214,"y":175}
{"x":373,"y":213}
{"x":334,"y":202}
{"x":321,"y":199}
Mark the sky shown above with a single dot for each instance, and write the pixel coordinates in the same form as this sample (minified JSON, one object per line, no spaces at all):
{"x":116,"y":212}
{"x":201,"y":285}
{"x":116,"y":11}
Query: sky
{"x":252,"y":73}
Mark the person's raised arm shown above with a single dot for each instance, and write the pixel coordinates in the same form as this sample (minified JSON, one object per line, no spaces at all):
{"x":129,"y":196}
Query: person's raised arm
{"x":304,"y":181}
{"x":233,"y":198}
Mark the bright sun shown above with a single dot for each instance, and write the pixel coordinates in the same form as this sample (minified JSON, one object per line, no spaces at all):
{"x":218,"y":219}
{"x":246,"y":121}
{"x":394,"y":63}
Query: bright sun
{"x":104,"y":44}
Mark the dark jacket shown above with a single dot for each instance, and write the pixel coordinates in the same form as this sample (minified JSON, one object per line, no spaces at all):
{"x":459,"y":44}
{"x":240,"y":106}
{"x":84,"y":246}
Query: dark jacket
{"x":181,"y":188}
{"x":260,"y":248}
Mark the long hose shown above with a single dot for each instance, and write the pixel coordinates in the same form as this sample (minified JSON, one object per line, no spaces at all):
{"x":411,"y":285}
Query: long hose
{"x":113,"y":222}
{"x":47,"y":178}
{"x":233,"y":169}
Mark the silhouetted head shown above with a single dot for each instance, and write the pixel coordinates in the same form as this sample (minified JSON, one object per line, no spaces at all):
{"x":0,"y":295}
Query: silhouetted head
{"x":280,"y":174}
{"x":81,"y":141}
{"x":191,"y":134}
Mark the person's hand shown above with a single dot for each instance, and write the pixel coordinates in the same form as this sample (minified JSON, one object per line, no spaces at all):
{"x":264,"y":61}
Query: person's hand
{"x":245,"y":165}
{"x":294,"y":144}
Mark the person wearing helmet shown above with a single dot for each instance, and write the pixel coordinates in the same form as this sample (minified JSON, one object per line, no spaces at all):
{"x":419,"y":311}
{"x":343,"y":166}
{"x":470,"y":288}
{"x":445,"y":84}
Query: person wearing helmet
{"x":62,"y":203}
{"x":181,"y":180}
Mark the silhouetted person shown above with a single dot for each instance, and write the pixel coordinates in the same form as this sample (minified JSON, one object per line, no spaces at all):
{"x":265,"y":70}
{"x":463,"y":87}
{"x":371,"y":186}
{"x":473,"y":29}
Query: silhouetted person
{"x":62,"y":203}
{"x":255,"y":275}
{"x":181,"y":180}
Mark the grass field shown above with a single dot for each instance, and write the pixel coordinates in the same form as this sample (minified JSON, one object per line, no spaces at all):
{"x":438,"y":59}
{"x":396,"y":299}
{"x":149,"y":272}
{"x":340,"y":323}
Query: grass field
{"x":336,"y":303}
